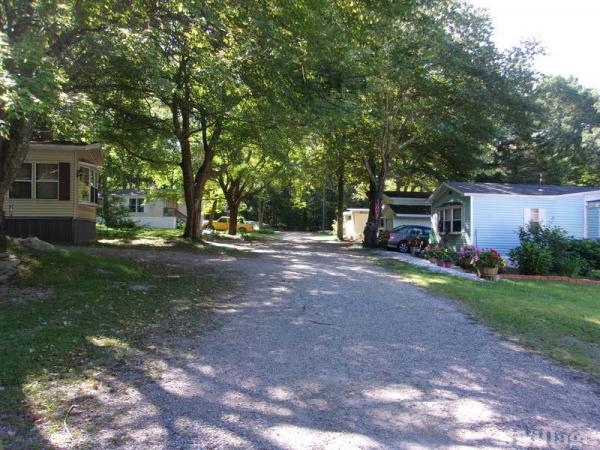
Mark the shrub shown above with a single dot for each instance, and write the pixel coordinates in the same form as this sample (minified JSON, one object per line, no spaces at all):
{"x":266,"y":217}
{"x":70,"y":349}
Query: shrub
{"x":115,"y":213}
{"x":554,"y":238}
{"x":594,"y":274}
{"x":570,"y":266}
{"x":468,"y":256}
{"x":490,"y":258}
{"x":532,"y":258}
{"x":587,"y":249}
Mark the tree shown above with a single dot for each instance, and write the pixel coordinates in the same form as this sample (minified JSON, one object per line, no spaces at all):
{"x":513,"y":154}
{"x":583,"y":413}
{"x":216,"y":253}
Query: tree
{"x":558,"y":144}
{"x":30,"y":79}
{"x":170,"y":72}
{"x":436,"y":90}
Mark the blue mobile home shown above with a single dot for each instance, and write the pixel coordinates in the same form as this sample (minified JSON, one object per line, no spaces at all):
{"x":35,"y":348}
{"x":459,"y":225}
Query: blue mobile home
{"x":489,"y":215}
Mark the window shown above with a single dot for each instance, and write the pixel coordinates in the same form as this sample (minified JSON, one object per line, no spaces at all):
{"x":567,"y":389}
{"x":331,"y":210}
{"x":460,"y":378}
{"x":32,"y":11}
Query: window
{"x":136,"y":205}
{"x":534,"y":215}
{"x":456,"y":220}
{"x":450,"y":220}
{"x":46,"y":181}
{"x":21,"y":187}
{"x":88,"y":184}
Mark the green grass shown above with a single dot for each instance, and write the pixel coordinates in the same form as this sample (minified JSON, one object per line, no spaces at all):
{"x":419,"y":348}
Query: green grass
{"x":159,"y":238}
{"x":560,"y":320}
{"x":70,"y":315}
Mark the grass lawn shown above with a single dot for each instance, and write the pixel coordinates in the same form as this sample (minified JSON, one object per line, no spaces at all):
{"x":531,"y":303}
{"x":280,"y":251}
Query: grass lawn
{"x":560,"y":320}
{"x":160,"y":238}
{"x":70,"y":316}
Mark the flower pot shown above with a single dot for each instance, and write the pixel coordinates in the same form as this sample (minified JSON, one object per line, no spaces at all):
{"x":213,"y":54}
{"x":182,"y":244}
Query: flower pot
{"x":488,"y":271}
{"x":440,"y":263}
{"x":448,"y":264}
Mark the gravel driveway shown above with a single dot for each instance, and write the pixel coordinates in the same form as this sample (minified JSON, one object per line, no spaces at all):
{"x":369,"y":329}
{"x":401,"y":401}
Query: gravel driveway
{"x":325,"y":350}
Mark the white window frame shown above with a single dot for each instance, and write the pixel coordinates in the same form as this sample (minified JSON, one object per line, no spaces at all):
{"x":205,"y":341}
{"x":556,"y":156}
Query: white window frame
{"x":442,"y":217}
{"x":528,"y":216}
{"x":31,"y":181}
{"x":93,"y":180}
{"x":139,"y":202}
{"x":57,"y":181}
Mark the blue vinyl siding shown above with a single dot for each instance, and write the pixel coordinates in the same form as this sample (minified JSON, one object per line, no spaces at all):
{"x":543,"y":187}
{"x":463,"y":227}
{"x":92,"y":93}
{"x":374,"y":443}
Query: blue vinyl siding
{"x":594,"y":223}
{"x":497,"y":218}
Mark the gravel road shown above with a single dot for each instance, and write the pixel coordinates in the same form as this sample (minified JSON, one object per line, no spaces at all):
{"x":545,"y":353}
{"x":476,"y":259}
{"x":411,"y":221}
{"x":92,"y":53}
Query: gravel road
{"x":323,"y":349}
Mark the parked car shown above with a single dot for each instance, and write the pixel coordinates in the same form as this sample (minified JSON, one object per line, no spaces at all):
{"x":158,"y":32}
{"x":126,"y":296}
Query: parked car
{"x":404,"y":237}
{"x":222,"y":224}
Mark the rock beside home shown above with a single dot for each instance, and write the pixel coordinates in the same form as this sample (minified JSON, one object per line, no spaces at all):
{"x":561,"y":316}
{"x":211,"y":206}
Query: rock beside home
{"x":35,"y":244}
{"x":9,"y":264}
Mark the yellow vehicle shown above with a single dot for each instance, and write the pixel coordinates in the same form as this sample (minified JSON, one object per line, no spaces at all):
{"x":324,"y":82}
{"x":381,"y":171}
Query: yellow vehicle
{"x":222,"y":224}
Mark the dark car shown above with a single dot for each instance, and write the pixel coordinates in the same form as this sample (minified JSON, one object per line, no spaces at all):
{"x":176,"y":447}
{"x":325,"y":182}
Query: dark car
{"x":404,"y":237}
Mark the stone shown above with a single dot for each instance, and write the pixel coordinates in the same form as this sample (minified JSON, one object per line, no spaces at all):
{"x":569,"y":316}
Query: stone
{"x":36,"y":244}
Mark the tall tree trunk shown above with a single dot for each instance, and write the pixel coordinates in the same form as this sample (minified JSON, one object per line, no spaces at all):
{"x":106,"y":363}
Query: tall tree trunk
{"x":340,"y":204}
{"x":261,"y":212}
{"x":234,"y":207}
{"x":370,"y":232}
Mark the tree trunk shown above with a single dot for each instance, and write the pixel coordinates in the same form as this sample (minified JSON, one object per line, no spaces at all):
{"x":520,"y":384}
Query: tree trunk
{"x":234,"y":207}
{"x":374,"y":194}
{"x":261,"y":212}
{"x":3,"y":241}
{"x":340,"y":205}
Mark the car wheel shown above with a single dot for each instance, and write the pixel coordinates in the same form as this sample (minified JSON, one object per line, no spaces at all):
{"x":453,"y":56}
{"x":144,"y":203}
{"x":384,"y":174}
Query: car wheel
{"x":403,"y":247}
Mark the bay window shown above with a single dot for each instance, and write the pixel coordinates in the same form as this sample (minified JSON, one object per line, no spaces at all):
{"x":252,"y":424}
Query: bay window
{"x":88,"y":184}
{"x":46,"y":181}
{"x":450,"y":220}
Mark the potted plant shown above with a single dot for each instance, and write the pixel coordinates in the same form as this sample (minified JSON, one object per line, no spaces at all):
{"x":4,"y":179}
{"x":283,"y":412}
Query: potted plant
{"x":429,"y":253}
{"x":447,"y":259}
{"x":468,"y":256}
{"x":489,"y":262}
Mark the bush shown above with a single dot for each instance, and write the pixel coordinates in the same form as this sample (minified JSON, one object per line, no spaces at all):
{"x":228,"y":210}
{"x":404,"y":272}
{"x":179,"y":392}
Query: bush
{"x":587,"y":249}
{"x":594,"y":274}
{"x":571,"y":266}
{"x":115,"y":214}
{"x":265,"y":231}
{"x":532,"y":258}
{"x":568,"y":256}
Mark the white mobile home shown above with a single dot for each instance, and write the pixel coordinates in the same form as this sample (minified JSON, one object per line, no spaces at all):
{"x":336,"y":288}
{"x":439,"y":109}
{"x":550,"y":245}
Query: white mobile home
{"x":154,"y":212}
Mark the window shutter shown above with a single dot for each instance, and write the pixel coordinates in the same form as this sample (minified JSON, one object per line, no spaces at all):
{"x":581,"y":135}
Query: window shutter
{"x":64,"y":181}
{"x":526,"y":216}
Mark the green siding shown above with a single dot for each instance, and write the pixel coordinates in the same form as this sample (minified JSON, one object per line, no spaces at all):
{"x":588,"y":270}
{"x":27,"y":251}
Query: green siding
{"x":455,"y":241}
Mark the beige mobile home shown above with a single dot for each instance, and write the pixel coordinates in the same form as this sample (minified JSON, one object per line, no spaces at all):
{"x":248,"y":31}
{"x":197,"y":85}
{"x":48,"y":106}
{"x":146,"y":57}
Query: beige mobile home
{"x":55,"y":193}
{"x":355,"y":220}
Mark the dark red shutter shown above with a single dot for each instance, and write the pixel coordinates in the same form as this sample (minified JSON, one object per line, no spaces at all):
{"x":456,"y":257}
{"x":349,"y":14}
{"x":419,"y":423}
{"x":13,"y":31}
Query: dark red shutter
{"x":64,"y":181}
